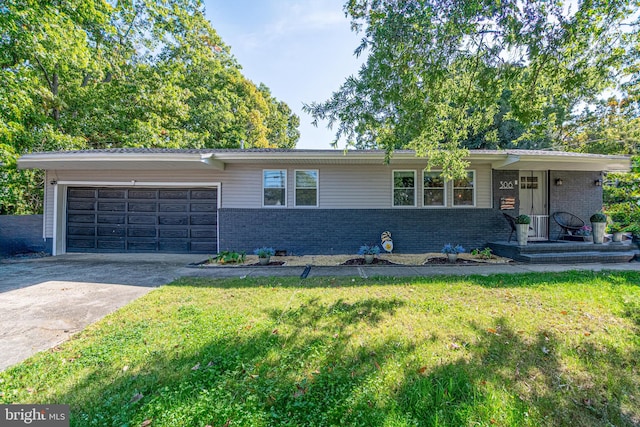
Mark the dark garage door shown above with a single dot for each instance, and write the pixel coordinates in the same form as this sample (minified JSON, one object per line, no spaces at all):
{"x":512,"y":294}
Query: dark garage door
{"x":179,"y":220}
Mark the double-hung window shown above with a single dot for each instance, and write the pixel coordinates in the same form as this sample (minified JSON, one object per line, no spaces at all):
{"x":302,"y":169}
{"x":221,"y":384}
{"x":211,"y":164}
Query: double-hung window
{"x":404,"y":188}
{"x":464,"y":190}
{"x":274,"y":187}
{"x":306,"y":188}
{"x":434,"y":189}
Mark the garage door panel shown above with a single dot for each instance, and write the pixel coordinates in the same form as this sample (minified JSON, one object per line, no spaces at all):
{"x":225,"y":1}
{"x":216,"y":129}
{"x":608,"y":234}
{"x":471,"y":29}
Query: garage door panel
{"x":203,"y":207}
{"x":145,"y":246}
{"x":80,"y":205}
{"x":142,"y":207}
{"x":203,"y":219}
{"x":114,"y":245}
{"x":81,"y":218}
{"x":111,"y":231}
{"x":204,"y":194}
{"x":203,"y":247}
{"x":173,"y":220}
{"x":111,"y":219}
{"x":203,"y":233}
{"x":83,"y":193}
{"x":173,"y":194}
{"x":111,"y":194}
{"x":142,"y":232}
{"x":82,"y":243}
{"x":173,"y":245}
{"x":142,"y":194}
{"x":80,"y":231}
{"x":173,"y":207}
{"x":112,"y":207}
{"x":142,"y":220}
{"x":174,"y":234}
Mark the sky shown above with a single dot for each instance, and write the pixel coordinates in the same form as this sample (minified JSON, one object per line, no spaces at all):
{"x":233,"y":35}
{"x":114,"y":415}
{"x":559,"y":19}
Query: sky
{"x":301,"y":49}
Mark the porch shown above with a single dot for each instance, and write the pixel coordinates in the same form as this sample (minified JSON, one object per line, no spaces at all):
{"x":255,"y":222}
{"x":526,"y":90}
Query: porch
{"x":564,"y":252}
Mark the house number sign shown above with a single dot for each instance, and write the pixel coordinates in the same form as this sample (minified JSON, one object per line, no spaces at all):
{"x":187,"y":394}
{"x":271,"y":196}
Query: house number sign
{"x":506,"y":185}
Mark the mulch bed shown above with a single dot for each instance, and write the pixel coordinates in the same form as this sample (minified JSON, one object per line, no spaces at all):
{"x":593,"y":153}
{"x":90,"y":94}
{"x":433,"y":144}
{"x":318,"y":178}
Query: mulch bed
{"x":361,"y":261}
{"x":272,"y":263}
{"x":445,"y":261}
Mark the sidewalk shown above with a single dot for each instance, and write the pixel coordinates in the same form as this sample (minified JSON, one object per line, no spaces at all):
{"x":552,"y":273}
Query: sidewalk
{"x":399,"y":271}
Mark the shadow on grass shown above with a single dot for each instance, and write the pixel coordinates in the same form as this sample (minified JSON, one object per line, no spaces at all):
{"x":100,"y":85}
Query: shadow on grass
{"x":319,"y":364}
{"x":515,"y":280}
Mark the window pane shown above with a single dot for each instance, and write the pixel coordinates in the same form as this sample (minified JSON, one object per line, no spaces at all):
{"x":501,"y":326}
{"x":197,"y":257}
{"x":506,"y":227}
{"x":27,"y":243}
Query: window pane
{"x":404,"y":179}
{"x":433,"y":180}
{"x":306,"y":179}
{"x":306,"y":197}
{"x":274,"y":196}
{"x":403,"y":197}
{"x":274,"y":179}
{"x":464,"y":182}
{"x":433,"y":197}
{"x":463,"y":197}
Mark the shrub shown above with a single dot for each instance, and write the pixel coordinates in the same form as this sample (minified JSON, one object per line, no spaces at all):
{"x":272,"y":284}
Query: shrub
{"x":450,"y":249}
{"x":369,"y":250}
{"x":264,"y":252}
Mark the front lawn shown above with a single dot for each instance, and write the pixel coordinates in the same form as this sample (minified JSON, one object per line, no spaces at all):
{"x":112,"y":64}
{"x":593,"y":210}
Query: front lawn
{"x":506,"y":350}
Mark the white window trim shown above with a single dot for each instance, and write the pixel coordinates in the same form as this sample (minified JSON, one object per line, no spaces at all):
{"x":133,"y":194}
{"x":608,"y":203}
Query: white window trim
{"x":444,"y":188}
{"x":475,"y":192}
{"x":295,"y":188}
{"x":393,"y":188}
{"x":286,"y":195}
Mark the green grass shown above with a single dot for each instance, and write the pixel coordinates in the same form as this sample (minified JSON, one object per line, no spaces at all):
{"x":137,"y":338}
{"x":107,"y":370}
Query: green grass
{"x":506,"y":350}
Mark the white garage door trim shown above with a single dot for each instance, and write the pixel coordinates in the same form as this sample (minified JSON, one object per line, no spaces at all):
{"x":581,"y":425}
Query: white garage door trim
{"x":60,"y":203}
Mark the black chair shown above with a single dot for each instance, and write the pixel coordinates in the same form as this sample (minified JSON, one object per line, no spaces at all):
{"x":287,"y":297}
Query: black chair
{"x":568,"y":222}
{"x":512,"y":222}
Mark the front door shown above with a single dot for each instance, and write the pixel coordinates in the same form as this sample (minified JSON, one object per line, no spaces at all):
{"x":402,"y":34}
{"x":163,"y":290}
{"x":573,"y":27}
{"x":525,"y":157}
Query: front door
{"x":533,"y":202}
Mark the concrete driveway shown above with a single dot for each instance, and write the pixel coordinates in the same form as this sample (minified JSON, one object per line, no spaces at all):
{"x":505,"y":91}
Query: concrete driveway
{"x":44,"y":301}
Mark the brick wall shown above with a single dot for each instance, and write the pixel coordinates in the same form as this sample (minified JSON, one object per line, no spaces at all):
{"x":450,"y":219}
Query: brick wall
{"x":22,"y":234}
{"x":342,"y":231}
{"x":577,"y":195}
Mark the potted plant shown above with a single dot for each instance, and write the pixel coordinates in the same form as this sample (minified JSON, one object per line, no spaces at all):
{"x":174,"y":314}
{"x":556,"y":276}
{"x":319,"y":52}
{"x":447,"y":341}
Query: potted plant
{"x":598,"y":223}
{"x":264,"y":255}
{"x":585,"y":233}
{"x":452,"y":251}
{"x":616,"y":229}
{"x":522,"y":228}
{"x":369,"y":252}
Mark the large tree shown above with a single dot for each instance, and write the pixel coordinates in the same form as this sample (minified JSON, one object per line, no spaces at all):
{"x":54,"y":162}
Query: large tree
{"x":438,"y":73}
{"x":127,"y":73}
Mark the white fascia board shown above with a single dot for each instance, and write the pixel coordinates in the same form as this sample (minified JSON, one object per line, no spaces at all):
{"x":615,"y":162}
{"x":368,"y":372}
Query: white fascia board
{"x":115,"y":160}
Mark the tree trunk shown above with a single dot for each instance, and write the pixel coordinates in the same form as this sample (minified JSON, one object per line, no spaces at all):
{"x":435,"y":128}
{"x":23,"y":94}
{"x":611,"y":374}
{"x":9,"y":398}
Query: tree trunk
{"x":54,"y":91}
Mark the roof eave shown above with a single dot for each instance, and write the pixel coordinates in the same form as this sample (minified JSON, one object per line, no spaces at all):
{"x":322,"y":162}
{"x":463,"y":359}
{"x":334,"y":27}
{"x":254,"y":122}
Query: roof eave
{"x":125,"y":161}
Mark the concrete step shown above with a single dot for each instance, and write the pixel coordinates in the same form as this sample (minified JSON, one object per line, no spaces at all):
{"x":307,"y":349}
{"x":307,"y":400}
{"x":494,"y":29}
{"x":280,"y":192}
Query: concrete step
{"x":577,"y":257}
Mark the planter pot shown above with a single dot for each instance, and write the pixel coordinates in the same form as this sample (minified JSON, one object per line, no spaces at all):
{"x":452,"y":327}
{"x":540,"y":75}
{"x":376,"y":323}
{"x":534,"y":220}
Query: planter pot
{"x":368,"y":258}
{"x":452,"y":257}
{"x":264,"y":260}
{"x":522,"y":231}
{"x":598,"y":232}
{"x":617,"y":237}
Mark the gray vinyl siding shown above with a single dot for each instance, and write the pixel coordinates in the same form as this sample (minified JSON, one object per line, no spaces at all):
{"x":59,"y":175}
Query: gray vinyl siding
{"x":339,"y":186}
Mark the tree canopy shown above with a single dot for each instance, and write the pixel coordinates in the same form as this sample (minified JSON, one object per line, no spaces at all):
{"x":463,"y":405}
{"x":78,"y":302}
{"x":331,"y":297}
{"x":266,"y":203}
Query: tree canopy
{"x":444,"y":76}
{"x":89,"y":74}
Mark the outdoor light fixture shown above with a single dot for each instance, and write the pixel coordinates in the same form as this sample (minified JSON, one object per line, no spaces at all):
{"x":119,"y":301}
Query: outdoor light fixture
{"x":558,"y":181}
{"x":54,"y":182}
{"x":598,"y":182}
